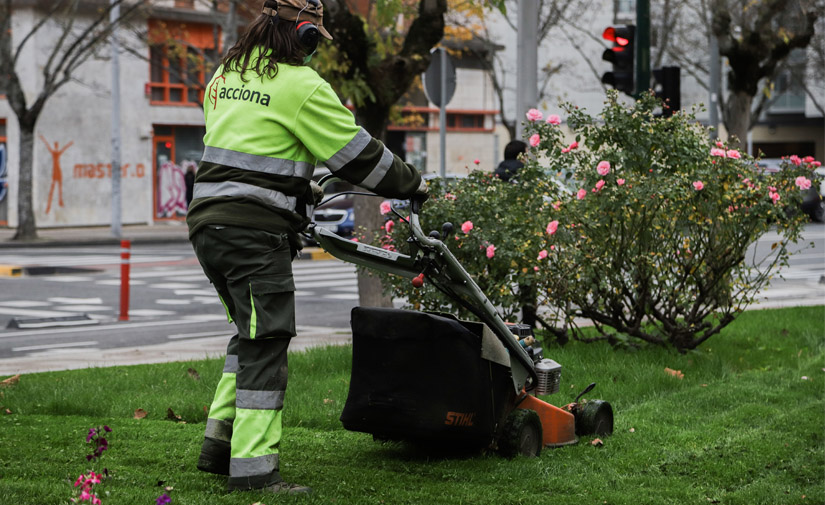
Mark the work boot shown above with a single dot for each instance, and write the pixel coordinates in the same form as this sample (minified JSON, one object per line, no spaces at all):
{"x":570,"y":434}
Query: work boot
{"x":215,"y":462}
{"x":286,"y":488}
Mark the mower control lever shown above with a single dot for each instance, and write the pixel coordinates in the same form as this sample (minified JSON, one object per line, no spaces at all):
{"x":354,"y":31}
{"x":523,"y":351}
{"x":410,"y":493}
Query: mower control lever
{"x":586,"y":390}
{"x":447,"y":229}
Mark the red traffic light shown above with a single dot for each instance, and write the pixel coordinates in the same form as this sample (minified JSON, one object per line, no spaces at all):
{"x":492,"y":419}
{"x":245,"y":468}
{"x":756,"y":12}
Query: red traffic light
{"x":618,"y":37}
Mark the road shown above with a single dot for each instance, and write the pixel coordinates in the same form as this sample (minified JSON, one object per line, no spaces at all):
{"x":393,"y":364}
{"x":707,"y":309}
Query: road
{"x":171,"y":302}
{"x":173,"y":306}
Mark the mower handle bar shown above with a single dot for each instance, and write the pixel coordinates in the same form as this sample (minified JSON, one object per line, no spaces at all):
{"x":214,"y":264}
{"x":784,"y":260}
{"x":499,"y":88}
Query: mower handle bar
{"x":463,"y":279}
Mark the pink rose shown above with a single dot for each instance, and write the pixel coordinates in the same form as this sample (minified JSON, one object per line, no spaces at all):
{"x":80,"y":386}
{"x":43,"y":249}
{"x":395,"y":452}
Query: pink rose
{"x":449,"y":196}
{"x":603,"y":168}
{"x":620,"y":182}
{"x":556,"y":205}
{"x":535,"y":140}
{"x":552,"y":226}
{"x":385,"y":207}
{"x":535,"y":269}
{"x":552,"y":248}
{"x":808,"y":159}
{"x":733,"y":153}
{"x":542,"y":254}
{"x":803,"y":182}
{"x":816,"y":164}
{"x":717,"y":152}
{"x":554,"y":119}
{"x":795,"y":160}
{"x":466,"y":227}
{"x":719,"y":144}
{"x":388,"y":226}
{"x":476,"y":161}
{"x":775,"y":197}
{"x":599,"y":185}
{"x":581,"y":194}
{"x":698,"y":185}
{"x":491,"y":251}
{"x":534,"y":115}
{"x":574,"y":145}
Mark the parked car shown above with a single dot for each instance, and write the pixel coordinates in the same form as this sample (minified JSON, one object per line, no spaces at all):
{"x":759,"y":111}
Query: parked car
{"x":337,"y":215}
{"x":813,"y":203}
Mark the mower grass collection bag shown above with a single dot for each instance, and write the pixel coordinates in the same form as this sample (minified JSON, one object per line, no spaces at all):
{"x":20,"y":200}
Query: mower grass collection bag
{"x":424,"y":377}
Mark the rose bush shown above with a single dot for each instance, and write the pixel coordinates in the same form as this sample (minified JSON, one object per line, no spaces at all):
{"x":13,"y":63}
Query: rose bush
{"x":641,"y":225}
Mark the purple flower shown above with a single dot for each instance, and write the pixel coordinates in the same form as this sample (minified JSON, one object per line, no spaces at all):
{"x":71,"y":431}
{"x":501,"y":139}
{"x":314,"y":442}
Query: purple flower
{"x":163,"y":499}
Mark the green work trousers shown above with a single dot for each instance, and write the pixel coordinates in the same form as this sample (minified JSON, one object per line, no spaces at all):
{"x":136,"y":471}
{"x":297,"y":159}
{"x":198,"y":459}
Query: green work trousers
{"x":252,"y":273}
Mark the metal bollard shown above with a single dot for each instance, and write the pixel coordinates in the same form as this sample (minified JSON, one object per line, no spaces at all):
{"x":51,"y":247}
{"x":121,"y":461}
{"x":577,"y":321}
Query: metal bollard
{"x":125,"y":254}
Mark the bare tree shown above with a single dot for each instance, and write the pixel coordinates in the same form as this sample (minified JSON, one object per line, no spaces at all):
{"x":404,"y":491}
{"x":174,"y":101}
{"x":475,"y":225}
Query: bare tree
{"x":553,"y":15}
{"x":79,"y":34}
{"x":756,"y":39}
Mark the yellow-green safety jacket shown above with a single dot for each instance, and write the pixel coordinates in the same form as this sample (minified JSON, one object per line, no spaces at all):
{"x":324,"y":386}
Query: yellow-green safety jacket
{"x":263,"y":140}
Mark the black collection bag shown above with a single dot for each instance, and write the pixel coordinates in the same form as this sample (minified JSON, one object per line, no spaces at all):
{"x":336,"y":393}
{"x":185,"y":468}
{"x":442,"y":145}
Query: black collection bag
{"x":421,"y":377}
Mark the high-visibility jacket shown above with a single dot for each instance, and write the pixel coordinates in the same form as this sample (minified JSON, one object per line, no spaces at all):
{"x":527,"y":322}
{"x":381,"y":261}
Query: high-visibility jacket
{"x":264,"y":137}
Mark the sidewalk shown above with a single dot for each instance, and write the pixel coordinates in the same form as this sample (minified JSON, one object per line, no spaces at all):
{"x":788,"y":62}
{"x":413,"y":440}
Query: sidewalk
{"x":169,"y":232}
{"x":180,"y":350}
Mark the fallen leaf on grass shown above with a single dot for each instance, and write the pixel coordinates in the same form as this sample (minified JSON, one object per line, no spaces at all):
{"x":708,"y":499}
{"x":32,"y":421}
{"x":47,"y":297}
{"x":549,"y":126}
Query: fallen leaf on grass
{"x":7,"y":411}
{"x":632,"y":430}
{"x":676,"y":373}
{"x":327,"y":401}
{"x":170,"y":414}
{"x":597,"y":442}
{"x":140,"y":413}
{"x":11,"y":381}
{"x":206,"y":410}
{"x":194,"y":374}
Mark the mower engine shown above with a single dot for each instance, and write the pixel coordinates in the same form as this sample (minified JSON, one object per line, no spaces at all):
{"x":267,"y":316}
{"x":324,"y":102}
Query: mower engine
{"x":547,"y":370}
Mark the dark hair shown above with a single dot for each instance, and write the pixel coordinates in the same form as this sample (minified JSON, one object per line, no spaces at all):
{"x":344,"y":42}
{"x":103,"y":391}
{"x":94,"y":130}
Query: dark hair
{"x":513,"y":149}
{"x":276,"y":38}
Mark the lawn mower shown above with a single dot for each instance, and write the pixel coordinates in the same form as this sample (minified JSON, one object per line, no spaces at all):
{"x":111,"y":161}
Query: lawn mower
{"x":434,"y":380}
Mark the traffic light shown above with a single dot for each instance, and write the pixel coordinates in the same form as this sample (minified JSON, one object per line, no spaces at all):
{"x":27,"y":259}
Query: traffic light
{"x":668,"y":89}
{"x":622,"y":56}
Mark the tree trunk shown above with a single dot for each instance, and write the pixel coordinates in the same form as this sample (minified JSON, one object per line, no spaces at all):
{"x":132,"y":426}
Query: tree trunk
{"x":26,"y":225}
{"x":738,"y":116}
{"x":368,"y":218}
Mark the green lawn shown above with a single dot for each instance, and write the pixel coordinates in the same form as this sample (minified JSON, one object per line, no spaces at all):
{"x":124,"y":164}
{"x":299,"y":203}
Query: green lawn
{"x":745,"y":425}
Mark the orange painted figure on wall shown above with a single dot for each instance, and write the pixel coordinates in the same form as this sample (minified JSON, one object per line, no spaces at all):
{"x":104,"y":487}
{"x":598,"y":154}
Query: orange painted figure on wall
{"x":57,"y":173}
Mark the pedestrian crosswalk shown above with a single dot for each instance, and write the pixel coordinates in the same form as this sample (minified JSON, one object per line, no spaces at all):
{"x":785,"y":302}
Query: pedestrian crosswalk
{"x":168,"y":291}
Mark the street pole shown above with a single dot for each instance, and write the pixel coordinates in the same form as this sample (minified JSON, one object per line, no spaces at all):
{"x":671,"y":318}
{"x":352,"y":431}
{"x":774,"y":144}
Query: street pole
{"x":642,"y":46}
{"x":715,"y":78}
{"x":526,"y":60}
{"x":442,"y":113}
{"x":114,"y":14}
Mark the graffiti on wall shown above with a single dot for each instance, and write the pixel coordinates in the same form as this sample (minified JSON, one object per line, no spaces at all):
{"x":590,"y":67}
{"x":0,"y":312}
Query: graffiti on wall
{"x":101,"y":170}
{"x":57,"y":173}
{"x":172,"y":189}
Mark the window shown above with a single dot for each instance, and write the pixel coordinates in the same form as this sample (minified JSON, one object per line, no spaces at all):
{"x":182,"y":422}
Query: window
{"x":180,"y":56}
{"x":465,"y":121}
{"x":790,"y":95}
{"x":625,"y":8}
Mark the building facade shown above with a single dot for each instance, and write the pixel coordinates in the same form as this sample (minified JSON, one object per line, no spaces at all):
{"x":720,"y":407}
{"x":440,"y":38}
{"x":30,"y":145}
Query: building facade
{"x":162,"y":62}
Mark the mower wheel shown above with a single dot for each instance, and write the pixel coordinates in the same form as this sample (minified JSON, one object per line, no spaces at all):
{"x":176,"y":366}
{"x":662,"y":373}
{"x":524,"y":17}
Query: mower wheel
{"x":595,"y":417}
{"x":521,"y":434}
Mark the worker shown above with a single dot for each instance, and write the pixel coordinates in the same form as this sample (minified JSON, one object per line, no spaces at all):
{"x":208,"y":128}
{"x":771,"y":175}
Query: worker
{"x":269,"y":120}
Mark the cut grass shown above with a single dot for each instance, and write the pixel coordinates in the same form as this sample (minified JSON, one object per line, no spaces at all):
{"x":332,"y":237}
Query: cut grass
{"x":741,"y":427}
